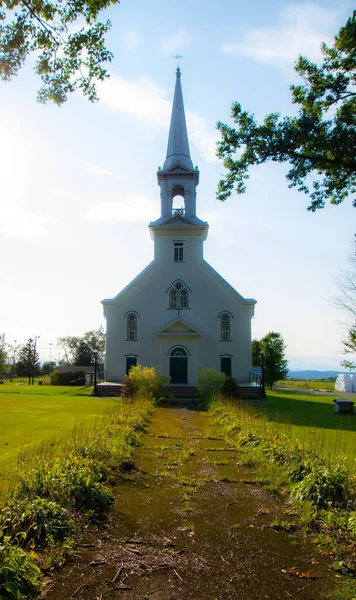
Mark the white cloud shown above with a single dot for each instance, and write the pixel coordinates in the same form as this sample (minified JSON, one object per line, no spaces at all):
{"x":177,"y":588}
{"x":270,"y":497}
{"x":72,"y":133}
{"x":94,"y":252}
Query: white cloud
{"x":203,"y":137}
{"x":128,"y":208}
{"x":131,"y":39}
{"x":144,"y":100}
{"x":176,"y":42}
{"x":98,"y":170}
{"x":301,"y":30}
{"x":20,"y":224}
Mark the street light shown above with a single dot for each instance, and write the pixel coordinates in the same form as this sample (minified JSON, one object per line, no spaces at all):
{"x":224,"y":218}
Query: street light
{"x":262,"y":355}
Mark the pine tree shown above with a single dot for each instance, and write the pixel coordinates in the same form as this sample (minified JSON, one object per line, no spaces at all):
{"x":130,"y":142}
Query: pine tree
{"x":28,"y":363}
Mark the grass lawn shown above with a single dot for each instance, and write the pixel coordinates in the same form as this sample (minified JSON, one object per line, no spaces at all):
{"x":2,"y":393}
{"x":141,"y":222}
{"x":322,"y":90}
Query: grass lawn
{"x":307,"y":385}
{"x":33,"y":414}
{"x":312,"y":419}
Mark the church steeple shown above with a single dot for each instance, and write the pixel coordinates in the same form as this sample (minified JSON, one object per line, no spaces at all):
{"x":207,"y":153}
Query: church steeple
{"x":178,"y":145}
{"x":178,"y":177}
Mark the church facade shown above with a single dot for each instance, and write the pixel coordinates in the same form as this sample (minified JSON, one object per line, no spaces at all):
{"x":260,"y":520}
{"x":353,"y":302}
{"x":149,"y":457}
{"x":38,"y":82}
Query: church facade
{"x":178,"y":315}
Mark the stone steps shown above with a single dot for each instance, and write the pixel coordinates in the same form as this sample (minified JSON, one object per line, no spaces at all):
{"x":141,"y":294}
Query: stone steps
{"x":250,"y":391}
{"x":106,"y":390}
{"x":179,"y":391}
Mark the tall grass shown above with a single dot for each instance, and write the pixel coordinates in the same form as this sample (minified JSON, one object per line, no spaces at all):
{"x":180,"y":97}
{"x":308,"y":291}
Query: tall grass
{"x":59,"y":491}
{"x":316,"y":477}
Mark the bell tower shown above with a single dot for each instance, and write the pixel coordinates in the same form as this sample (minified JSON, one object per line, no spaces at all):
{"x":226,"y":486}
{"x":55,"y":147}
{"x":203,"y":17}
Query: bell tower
{"x":178,"y":176}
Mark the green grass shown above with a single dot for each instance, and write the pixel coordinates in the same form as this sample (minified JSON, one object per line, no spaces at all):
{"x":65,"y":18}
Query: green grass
{"x":312,"y":384}
{"x":312,"y":420}
{"x":33,"y":414}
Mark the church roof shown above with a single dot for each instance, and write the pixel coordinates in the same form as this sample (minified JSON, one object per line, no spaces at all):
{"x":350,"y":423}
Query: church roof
{"x":179,"y":220}
{"x":178,"y":145}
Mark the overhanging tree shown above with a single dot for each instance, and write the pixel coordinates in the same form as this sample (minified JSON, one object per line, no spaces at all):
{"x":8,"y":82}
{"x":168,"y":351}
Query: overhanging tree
{"x":319,"y":143}
{"x":274,"y":360}
{"x":346,"y":301}
{"x":67,"y":39}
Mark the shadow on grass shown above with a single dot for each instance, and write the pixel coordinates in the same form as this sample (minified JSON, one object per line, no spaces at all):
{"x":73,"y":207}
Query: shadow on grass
{"x":306,"y":410}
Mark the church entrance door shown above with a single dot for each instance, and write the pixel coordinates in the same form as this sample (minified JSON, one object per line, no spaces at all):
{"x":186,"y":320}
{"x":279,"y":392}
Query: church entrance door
{"x":178,"y":365}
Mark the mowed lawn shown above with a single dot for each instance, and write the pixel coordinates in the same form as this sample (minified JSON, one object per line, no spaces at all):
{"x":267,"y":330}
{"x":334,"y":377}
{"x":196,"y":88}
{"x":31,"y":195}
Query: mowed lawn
{"x":311,"y":419}
{"x":34,"y":414}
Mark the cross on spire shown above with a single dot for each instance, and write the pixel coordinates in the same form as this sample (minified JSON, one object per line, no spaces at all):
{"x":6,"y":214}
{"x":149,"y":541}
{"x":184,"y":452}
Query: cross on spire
{"x":177,"y":57}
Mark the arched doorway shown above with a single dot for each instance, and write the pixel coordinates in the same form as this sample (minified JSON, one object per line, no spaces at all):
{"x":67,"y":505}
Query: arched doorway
{"x":178,"y":365}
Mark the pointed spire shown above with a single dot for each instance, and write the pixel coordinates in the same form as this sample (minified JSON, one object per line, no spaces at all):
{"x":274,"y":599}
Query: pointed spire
{"x":178,"y":145}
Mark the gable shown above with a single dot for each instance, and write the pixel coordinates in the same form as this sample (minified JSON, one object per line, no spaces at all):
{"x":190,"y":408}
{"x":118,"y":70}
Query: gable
{"x":178,"y":327}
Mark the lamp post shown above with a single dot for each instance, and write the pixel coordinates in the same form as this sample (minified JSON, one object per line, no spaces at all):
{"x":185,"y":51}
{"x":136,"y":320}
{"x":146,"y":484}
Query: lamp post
{"x":95,"y":370}
{"x":34,"y":358}
{"x":262,"y":355}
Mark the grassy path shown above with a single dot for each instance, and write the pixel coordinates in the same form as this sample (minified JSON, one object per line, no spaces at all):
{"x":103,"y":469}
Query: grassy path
{"x":188,"y":525}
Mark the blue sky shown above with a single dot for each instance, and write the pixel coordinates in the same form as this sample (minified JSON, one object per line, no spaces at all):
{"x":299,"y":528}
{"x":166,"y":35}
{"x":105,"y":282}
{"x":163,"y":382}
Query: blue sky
{"x":78,"y":183}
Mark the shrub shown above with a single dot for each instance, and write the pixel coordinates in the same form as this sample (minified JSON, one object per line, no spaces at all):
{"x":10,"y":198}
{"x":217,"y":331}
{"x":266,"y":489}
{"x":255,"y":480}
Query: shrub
{"x":77,"y":377}
{"x":209,"y":384}
{"x":324,"y":485}
{"x":143,"y":380}
{"x":27,"y":520}
{"x":59,"y":378}
{"x":19,"y":575}
{"x":230,"y":388}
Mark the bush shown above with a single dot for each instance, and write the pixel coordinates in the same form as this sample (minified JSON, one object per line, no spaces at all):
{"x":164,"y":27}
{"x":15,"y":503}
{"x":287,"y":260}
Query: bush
{"x":77,"y":377}
{"x":19,"y":575}
{"x":59,"y":378}
{"x":324,"y":485}
{"x":27,"y":521}
{"x":143,"y":380}
{"x":230,"y":388}
{"x":209,"y":384}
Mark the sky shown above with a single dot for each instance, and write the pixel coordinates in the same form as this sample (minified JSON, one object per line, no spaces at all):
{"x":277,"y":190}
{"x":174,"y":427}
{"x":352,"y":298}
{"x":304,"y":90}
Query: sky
{"x":78,"y":183}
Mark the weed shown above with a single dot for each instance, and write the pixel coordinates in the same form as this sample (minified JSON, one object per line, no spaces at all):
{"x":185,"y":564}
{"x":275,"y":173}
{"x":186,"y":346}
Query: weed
{"x":58,"y":492}
{"x":19,"y":575}
{"x":283,"y":525}
{"x":345,"y":590}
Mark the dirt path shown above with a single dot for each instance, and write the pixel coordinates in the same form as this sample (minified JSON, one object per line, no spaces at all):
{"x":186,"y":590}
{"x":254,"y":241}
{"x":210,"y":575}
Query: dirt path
{"x":189,"y":524}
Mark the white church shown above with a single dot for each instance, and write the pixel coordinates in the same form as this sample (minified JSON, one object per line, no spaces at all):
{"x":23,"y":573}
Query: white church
{"x":179,"y":315}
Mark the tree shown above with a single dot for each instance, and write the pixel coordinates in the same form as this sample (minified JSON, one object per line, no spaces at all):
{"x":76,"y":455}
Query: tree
{"x":28,"y":363}
{"x":256,"y":352}
{"x":84,"y":355}
{"x":83,"y":348}
{"x":47,"y":367}
{"x":319,"y":142}
{"x":350,"y":347}
{"x":3,"y":355}
{"x":68,"y":41}
{"x":346,"y":301}
{"x":274,"y":360}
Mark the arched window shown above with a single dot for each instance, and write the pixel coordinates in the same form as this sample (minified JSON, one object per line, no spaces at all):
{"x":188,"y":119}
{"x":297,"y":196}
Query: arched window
{"x":225,"y":326}
{"x":178,"y":351}
{"x":131,"y":321}
{"x":178,"y":296}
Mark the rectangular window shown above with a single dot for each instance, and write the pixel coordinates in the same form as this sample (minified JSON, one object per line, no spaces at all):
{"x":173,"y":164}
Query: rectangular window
{"x":178,"y":251}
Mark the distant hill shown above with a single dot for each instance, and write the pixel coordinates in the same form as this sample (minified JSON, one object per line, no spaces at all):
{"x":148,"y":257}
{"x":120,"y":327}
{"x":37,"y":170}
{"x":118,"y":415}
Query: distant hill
{"x":313,"y":374}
